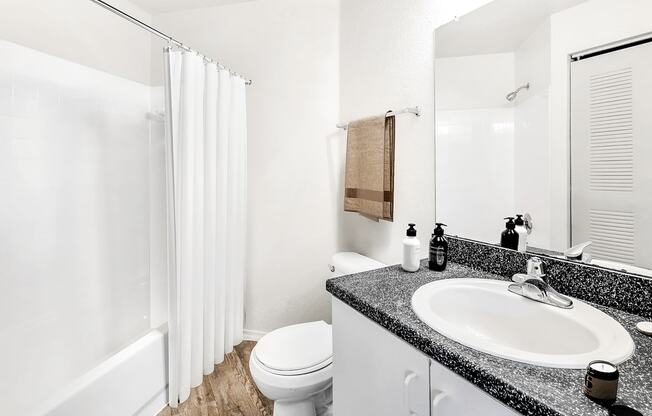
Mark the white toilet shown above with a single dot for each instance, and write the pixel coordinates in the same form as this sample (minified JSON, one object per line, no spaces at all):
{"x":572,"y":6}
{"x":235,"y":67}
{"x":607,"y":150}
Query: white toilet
{"x":293,"y":365}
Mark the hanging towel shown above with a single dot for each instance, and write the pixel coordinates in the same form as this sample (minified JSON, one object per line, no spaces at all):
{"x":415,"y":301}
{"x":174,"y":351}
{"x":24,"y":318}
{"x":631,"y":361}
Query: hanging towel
{"x":369,"y":176}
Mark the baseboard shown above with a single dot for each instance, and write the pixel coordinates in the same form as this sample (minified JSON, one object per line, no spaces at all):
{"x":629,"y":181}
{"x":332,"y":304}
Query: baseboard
{"x":252,"y":335}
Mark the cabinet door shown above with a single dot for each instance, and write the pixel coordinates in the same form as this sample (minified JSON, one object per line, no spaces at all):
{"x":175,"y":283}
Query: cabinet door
{"x":452,"y":395}
{"x":374,"y":372}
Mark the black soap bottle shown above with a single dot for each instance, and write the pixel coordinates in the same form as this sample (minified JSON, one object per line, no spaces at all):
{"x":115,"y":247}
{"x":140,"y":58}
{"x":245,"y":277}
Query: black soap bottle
{"x":438,"y":256}
{"x":509,"y":237}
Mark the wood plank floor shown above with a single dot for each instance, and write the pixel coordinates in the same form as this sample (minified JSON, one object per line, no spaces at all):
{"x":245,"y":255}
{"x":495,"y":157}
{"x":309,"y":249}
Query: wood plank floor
{"x":228,"y":391}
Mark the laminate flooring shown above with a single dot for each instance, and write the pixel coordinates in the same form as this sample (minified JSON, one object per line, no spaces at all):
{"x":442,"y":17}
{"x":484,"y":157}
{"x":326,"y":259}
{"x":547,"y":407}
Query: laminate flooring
{"x":228,"y":391}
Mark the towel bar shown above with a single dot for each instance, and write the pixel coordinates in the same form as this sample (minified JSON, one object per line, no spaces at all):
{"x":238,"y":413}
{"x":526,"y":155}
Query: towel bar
{"x":413,"y":110}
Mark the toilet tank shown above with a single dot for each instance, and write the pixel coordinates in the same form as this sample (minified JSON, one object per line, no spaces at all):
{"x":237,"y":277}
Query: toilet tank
{"x":348,"y":262}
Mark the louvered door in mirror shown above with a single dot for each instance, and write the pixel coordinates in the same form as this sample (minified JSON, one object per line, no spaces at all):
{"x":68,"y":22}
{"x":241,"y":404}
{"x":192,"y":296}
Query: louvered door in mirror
{"x":611,"y":154}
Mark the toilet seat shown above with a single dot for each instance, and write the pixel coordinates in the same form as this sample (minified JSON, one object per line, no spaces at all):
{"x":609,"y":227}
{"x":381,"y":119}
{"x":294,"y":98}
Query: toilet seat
{"x":293,"y":364}
{"x":297,"y":372}
{"x":296,"y":349}
{"x":276,"y":386}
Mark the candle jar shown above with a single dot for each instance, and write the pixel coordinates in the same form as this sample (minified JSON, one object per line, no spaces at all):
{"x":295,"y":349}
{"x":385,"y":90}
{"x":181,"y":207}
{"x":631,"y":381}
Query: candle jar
{"x":601,"y":382}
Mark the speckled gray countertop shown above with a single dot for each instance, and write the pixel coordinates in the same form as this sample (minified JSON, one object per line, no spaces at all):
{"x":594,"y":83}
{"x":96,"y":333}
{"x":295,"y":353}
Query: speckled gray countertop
{"x":384,"y":296}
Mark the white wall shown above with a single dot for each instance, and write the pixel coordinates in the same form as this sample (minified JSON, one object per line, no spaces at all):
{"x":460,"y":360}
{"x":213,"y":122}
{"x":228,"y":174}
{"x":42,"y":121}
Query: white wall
{"x":81,"y":32}
{"x":446,"y":10}
{"x":531,"y":135}
{"x":387,"y":63}
{"x":475,"y":144}
{"x":532,"y":62}
{"x":476,"y":81}
{"x":289,"y":48}
{"x":588,"y":25}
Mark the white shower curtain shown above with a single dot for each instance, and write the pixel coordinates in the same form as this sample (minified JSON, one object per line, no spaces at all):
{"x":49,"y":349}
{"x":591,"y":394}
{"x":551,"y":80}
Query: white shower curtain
{"x":206,"y":159}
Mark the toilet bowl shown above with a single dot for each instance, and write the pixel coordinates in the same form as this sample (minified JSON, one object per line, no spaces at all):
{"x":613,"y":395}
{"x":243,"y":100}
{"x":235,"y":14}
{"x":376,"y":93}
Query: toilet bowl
{"x":292,"y":365}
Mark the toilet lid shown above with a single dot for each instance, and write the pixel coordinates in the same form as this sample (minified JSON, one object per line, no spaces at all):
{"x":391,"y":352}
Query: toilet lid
{"x":296,"y":347}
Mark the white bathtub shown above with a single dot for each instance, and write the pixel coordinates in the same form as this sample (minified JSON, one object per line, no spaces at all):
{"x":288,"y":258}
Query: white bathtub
{"x":132,"y":382}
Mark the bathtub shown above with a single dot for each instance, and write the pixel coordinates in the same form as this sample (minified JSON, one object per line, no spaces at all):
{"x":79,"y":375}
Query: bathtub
{"x":133,"y":382}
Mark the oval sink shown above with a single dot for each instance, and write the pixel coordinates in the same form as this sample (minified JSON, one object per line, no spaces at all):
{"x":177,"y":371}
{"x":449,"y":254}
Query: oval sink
{"x":484,"y":315}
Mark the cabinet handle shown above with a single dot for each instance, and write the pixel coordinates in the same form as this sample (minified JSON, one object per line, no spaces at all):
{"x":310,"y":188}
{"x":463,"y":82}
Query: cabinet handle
{"x":437,"y":397}
{"x":411,"y":377}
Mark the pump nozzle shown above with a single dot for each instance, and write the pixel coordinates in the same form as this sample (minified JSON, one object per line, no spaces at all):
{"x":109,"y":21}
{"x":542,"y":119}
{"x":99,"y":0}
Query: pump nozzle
{"x":438,"y":231}
{"x":411,"y":231}
{"x":510,"y":223}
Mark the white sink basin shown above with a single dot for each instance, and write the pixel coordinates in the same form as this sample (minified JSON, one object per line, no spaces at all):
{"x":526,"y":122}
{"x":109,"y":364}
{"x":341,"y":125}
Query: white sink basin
{"x":484,"y":315}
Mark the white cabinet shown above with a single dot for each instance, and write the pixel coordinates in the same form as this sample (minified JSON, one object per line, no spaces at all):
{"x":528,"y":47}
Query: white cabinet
{"x":452,"y":395}
{"x":376,"y":373}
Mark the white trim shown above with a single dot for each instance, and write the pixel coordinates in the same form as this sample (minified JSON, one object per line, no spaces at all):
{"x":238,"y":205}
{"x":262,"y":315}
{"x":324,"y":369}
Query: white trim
{"x":253,"y":335}
{"x":610,"y":45}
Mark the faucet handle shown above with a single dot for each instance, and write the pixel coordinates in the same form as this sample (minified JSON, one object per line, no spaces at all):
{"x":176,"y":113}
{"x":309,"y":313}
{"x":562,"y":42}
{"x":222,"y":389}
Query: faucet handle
{"x":535,"y":267}
{"x":580,"y":252}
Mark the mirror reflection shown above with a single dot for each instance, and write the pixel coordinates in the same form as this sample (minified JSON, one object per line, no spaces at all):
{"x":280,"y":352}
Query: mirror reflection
{"x":542,"y":111}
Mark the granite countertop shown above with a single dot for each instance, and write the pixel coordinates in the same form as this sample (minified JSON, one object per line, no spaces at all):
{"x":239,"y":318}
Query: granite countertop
{"x":384,"y":296}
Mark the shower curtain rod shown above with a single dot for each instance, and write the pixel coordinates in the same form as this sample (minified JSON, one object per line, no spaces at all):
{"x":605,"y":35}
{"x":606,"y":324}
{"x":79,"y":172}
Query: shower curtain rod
{"x":160,"y":34}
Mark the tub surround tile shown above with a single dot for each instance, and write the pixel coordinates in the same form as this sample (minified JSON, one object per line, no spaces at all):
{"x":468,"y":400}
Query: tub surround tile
{"x":628,"y":292}
{"x":384,"y":296}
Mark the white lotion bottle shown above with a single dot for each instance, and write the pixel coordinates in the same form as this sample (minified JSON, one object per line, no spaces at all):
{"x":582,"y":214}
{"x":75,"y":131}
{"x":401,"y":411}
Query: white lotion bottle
{"x":411,"y":250}
{"x":522,"y":233}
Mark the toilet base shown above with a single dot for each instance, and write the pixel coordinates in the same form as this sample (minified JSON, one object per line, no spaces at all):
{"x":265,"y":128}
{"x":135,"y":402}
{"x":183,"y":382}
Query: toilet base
{"x":298,"y":394}
{"x":320,"y":404}
{"x":300,"y":408}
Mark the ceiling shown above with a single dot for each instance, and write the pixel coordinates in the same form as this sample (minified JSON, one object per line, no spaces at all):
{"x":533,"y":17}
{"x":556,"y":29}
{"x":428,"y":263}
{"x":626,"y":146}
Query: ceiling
{"x":499,"y":26}
{"x":165,"y":6}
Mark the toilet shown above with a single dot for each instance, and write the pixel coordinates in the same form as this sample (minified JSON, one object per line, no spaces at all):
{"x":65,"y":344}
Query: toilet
{"x":292,"y":365}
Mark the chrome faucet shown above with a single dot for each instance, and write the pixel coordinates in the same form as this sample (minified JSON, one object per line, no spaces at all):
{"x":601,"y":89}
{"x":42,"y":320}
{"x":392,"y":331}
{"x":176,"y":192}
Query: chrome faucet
{"x":533,"y":286}
{"x":580,"y":252}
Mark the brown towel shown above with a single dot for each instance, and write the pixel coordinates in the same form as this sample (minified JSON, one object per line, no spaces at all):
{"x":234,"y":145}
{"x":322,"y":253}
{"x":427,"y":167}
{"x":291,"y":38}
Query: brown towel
{"x":369,"y":176}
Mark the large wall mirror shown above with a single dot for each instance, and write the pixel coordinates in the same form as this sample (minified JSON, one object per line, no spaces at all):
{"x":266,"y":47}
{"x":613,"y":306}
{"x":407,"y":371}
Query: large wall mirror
{"x":544,"y":108}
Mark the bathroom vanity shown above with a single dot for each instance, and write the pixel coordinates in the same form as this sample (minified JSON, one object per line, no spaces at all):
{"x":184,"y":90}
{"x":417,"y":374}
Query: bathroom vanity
{"x":543,"y":117}
{"x":389,"y":362}
{"x":378,"y":373}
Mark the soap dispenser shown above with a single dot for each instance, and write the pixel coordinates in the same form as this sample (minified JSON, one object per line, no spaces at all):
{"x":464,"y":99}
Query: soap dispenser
{"x":509,"y":237}
{"x":438,"y":255}
{"x":522,"y":233}
{"x":411,"y":249}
